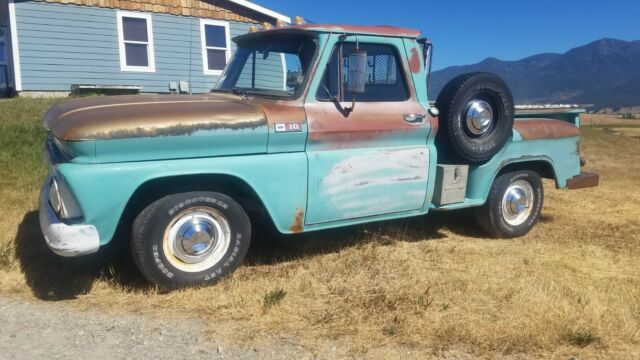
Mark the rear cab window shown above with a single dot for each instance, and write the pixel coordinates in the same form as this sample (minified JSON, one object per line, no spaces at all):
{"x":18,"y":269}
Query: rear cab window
{"x":385,"y":81}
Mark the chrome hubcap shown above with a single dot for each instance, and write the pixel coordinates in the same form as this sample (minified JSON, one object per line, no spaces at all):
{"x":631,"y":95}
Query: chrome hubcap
{"x":197,"y":239}
{"x":479,"y":117}
{"x":517,"y":202}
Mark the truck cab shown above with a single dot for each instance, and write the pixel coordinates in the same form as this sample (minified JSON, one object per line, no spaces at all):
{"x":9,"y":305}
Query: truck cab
{"x":314,"y":126}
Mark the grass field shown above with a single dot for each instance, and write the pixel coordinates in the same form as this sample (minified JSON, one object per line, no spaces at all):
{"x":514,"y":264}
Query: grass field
{"x":423,"y":287}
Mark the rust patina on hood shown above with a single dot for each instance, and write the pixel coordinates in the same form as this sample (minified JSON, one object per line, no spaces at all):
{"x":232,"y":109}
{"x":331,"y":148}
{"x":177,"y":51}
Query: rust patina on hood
{"x":122,"y":117}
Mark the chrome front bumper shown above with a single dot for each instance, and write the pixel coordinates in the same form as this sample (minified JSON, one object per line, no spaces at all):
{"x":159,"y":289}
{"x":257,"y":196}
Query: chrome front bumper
{"x":62,"y":239}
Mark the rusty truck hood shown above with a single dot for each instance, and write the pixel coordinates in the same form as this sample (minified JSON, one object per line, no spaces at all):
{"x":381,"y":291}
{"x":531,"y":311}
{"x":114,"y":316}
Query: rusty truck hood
{"x":157,"y":127}
{"x":136,"y":116}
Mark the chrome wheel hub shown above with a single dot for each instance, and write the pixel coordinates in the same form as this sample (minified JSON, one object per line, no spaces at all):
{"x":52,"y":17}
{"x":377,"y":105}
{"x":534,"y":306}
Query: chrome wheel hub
{"x":479,"y":117}
{"x":197,"y":239}
{"x":517,"y":203}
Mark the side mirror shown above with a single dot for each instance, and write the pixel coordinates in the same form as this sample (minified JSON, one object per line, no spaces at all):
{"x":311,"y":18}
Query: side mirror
{"x":357,"y":72}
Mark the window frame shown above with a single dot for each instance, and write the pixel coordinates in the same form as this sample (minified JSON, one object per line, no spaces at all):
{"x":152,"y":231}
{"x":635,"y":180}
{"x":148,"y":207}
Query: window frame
{"x":203,"y":41}
{"x":121,"y":42}
{"x":402,"y":75}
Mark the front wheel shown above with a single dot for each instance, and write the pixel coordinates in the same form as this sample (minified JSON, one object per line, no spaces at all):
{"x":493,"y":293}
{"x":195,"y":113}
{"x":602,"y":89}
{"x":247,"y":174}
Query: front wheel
{"x":513,"y":206}
{"x":190,"y":239}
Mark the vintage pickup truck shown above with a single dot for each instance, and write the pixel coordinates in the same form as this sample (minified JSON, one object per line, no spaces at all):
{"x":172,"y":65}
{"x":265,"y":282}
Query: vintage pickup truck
{"x":344,"y":134}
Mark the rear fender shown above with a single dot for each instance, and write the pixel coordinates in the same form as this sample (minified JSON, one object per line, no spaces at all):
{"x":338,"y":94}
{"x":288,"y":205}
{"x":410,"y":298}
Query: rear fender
{"x":555,"y":158}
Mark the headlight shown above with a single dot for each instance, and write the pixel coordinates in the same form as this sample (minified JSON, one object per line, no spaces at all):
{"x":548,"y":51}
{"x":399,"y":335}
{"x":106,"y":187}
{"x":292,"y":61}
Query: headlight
{"x":62,"y":201}
{"x":54,"y":197}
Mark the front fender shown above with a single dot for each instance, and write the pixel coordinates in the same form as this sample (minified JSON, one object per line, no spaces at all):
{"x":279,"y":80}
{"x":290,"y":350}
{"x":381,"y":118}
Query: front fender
{"x":103,"y":190}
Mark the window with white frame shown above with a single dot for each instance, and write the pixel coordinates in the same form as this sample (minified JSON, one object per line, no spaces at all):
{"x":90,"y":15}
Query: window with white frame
{"x":216,"y":48}
{"x":136,"y":42}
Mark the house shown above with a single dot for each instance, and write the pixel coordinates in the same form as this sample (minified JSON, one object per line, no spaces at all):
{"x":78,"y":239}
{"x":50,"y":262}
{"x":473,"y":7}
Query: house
{"x":155,"y":46}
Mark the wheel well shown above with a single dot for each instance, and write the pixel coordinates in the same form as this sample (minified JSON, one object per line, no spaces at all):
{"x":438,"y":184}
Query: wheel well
{"x":542,"y":167}
{"x":155,"y":189}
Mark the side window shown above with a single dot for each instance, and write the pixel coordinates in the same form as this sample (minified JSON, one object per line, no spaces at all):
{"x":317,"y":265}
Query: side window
{"x":216,"y":49}
{"x":136,"y":42}
{"x":384,"y":83}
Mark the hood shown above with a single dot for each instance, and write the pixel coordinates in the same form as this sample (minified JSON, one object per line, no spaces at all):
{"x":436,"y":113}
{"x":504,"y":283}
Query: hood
{"x":155,"y":127}
{"x":136,"y":116}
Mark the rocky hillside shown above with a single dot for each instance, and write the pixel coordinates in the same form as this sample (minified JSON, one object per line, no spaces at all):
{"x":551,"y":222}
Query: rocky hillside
{"x":605,"y":73}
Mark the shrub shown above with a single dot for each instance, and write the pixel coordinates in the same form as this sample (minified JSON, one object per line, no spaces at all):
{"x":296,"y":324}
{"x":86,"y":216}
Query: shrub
{"x":274,"y":297}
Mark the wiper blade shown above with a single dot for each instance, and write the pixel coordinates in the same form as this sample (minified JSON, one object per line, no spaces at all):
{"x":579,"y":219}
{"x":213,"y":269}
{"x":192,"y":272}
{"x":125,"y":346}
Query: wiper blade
{"x":240,"y":92}
{"x":220,"y":90}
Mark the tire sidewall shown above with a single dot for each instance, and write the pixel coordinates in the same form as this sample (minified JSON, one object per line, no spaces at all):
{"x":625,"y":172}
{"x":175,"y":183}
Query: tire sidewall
{"x":152,"y":249}
{"x":497,"y":135}
{"x":453,"y":100}
{"x":505,"y":228}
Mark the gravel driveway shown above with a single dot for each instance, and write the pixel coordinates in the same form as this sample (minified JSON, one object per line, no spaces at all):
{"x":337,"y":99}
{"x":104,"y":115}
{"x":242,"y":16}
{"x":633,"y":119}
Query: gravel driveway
{"x":56,"y":331}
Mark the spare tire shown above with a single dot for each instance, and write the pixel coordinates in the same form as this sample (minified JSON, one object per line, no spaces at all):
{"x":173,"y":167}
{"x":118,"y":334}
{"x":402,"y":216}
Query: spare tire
{"x":476,"y":117}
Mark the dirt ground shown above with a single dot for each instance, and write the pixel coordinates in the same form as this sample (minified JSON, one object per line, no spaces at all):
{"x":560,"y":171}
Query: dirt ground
{"x":428,"y":287}
{"x":34,"y":330}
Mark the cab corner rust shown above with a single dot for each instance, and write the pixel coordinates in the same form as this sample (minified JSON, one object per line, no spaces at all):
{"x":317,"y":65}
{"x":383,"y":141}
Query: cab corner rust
{"x":414,"y":62}
{"x":298,"y":222}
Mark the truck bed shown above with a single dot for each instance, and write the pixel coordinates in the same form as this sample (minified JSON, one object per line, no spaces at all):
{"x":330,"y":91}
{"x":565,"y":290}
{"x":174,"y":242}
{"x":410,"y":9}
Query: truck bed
{"x":568,"y":113}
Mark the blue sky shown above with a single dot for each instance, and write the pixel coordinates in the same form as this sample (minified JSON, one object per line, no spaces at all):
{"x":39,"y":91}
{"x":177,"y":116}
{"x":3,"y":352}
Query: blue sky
{"x":468,"y":31}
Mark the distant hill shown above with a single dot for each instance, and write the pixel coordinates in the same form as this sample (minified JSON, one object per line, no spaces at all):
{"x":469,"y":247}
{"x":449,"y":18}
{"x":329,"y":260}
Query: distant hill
{"x":605,"y":73}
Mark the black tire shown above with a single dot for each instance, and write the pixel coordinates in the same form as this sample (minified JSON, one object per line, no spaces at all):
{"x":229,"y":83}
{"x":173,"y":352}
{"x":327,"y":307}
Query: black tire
{"x":152,"y":230}
{"x":457,"y":140}
{"x":493,"y":217}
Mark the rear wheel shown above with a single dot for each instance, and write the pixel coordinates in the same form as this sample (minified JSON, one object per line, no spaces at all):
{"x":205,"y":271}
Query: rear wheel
{"x":190,"y":239}
{"x":476,"y":114}
{"x":513,"y":206}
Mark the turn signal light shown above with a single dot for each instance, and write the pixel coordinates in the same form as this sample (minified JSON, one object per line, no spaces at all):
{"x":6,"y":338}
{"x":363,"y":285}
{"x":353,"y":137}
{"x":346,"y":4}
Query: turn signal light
{"x":299,"y":20}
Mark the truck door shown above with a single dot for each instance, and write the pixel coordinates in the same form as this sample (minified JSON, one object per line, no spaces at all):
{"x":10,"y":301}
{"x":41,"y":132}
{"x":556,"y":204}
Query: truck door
{"x":373,"y":160}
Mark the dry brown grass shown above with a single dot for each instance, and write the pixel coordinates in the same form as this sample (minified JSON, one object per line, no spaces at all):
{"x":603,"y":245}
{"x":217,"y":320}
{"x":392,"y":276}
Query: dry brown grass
{"x":424,"y":287}
{"x":593,"y":119}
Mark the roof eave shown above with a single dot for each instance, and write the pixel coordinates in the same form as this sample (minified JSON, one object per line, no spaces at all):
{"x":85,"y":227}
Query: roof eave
{"x":261,"y":9}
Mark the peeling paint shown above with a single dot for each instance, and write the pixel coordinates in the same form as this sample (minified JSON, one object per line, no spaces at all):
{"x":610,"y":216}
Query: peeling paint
{"x":150,"y":116}
{"x":298,"y":222}
{"x":174,"y":130}
{"x":289,"y":113}
{"x":414,"y":61}
{"x":368,"y":183}
{"x":367,"y":125}
{"x":545,"y":129}
{"x":381,"y":168}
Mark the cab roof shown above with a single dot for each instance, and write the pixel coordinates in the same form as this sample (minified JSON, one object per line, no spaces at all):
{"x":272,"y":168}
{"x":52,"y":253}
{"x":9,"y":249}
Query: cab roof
{"x":378,"y":30}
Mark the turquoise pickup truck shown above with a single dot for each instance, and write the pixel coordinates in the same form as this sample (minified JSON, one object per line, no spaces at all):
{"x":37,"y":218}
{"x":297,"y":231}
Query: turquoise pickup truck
{"x":344,"y":134}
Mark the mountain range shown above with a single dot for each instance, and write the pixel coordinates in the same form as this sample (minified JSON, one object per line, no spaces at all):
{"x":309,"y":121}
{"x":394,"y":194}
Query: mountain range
{"x":604,"y":73}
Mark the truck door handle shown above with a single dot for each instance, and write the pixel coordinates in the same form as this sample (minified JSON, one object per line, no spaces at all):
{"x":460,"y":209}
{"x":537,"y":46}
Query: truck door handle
{"x":415,"y":119}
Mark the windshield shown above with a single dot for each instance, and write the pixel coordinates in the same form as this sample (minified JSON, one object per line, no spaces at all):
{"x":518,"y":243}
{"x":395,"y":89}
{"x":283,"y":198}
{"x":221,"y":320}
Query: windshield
{"x":275,"y":66}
